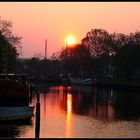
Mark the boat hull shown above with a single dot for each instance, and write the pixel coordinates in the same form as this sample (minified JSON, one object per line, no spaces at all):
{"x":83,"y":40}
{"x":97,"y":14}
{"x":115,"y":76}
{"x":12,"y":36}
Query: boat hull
{"x":13,"y":93}
{"x":85,"y":82}
{"x":15,"y":113}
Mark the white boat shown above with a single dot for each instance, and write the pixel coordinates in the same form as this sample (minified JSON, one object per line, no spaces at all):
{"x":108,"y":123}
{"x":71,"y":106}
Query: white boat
{"x":82,"y":82}
{"x":15,"y":113}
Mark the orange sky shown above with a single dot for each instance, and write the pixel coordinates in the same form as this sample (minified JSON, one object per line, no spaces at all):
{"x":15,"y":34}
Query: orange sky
{"x":37,"y":21}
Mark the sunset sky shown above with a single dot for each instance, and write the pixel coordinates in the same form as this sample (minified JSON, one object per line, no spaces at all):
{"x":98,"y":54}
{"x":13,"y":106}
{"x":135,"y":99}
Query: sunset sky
{"x":54,"y":21}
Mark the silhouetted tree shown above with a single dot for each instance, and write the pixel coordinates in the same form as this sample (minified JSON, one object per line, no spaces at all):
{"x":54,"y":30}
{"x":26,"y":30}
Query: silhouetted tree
{"x":78,"y":59}
{"x":10,"y":45}
{"x":12,"y":39}
{"x":127,"y":62}
{"x":100,"y":43}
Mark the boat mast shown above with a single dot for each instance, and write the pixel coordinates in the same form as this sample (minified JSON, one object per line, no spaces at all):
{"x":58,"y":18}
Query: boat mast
{"x":45,"y":57}
{"x":45,"y":49}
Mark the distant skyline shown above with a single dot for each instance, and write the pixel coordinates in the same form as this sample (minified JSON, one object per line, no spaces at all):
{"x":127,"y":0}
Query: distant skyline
{"x":37,"y":21}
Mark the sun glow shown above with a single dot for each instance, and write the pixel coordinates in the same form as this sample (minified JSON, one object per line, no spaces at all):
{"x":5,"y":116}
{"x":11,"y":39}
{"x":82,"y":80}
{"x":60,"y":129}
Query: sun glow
{"x":70,"y":41}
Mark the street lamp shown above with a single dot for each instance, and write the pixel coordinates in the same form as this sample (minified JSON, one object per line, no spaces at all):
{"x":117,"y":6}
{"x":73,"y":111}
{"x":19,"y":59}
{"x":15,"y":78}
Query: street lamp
{"x":69,"y":42}
{"x":66,"y":58}
{"x":5,"y":60}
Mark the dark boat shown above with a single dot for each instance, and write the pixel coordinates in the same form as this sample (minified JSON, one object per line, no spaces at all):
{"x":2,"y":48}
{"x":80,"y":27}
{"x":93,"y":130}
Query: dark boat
{"x":14,"y":89}
{"x":14,"y":98}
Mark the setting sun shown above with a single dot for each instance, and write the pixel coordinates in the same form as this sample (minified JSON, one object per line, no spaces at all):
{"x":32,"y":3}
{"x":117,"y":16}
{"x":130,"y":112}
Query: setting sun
{"x":70,"y":40}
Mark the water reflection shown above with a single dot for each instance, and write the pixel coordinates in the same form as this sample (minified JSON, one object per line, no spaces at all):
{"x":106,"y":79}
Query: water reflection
{"x":68,"y":117}
{"x":74,"y":111}
{"x":105,"y":104}
{"x":14,"y":129}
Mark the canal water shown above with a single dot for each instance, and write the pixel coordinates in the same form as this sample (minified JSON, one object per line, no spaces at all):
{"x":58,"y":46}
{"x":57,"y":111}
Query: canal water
{"x":81,"y":112}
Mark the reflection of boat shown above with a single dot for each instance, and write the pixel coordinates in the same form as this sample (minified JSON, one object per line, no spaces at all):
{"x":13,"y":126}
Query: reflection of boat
{"x":65,"y":82}
{"x":79,"y":81}
{"x":81,"y":89}
{"x":15,"y":113}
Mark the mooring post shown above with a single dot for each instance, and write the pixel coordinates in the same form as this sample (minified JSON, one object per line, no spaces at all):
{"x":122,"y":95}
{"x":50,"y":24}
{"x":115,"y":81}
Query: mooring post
{"x":37,"y":126}
{"x":31,"y":93}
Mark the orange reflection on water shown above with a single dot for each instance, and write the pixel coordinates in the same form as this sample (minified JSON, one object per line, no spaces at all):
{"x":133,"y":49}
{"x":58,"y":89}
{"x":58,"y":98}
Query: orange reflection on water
{"x":68,"y":116}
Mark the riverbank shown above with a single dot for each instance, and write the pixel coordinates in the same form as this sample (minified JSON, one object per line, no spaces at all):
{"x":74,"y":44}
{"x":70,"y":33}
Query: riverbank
{"x":102,"y":83}
{"x":118,"y":84}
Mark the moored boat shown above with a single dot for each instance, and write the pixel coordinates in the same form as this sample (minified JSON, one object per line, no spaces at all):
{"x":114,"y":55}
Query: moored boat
{"x":82,"y":82}
{"x":14,"y":89}
{"x":15,"y":113}
{"x":14,"y":98}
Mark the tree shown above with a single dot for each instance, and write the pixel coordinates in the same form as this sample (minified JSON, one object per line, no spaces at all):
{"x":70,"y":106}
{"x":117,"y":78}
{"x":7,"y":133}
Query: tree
{"x":118,"y":41}
{"x":127,"y":61}
{"x":55,"y":56}
{"x":127,"y":54}
{"x":10,"y":45}
{"x":78,"y":59}
{"x":134,"y":38}
{"x":6,"y":31}
{"x":100,"y":43}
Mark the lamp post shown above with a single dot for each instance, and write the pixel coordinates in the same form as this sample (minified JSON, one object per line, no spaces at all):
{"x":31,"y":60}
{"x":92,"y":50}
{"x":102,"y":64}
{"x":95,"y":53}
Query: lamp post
{"x":45,"y":49}
{"x":66,"y":58}
{"x":6,"y":61}
{"x":45,"y":59}
{"x":69,"y":41}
